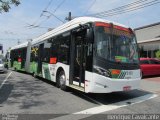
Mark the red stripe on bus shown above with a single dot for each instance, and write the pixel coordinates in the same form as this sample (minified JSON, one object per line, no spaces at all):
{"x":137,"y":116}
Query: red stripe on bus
{"x":102,"y":24}
{"x":122,"y":28}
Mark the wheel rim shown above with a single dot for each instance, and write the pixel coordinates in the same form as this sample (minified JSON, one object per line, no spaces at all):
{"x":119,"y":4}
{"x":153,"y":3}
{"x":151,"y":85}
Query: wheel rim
{"x":62,"y":80}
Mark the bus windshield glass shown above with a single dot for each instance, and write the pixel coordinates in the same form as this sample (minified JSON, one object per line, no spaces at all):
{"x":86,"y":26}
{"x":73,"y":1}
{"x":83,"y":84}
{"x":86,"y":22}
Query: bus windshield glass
{"x":117,"y":44}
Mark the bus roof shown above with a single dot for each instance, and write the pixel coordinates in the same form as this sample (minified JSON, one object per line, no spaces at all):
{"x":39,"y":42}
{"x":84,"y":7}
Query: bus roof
{"x":70,"y":25}
{"x":22,"y":45}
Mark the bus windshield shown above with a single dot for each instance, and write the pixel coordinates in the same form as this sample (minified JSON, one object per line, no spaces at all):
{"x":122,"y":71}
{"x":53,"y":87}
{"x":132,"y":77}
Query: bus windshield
{"x":116,"y":45}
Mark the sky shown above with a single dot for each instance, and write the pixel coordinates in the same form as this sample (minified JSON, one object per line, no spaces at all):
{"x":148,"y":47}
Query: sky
{"x":14,"y":25}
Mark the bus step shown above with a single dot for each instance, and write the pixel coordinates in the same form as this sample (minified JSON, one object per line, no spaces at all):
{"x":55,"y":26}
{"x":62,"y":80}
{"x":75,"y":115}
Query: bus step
{"x":77,"y":87}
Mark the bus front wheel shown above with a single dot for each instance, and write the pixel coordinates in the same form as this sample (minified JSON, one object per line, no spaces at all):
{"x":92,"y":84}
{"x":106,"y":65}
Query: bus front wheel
{"x":62,"y":80}
{"x":34,"y":75}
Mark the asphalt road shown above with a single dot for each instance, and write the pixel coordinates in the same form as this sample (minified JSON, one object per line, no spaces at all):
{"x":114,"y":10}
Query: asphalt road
{"x":24,"y":97}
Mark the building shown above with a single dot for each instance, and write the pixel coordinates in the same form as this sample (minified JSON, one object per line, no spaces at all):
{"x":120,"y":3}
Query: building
{"x":148,"y":38}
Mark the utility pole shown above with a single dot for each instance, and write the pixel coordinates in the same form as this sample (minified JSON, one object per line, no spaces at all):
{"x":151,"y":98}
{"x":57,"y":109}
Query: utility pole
{"x":69,"y":18}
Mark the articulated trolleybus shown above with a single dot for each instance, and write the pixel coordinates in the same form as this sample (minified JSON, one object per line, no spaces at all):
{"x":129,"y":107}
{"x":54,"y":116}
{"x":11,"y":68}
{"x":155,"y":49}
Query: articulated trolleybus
{"x":88,"y":54}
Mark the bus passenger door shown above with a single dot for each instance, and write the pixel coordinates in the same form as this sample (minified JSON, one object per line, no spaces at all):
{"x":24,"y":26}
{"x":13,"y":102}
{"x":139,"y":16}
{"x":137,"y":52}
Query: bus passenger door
{"x":40,"y":55}
{"x":77,"y":60}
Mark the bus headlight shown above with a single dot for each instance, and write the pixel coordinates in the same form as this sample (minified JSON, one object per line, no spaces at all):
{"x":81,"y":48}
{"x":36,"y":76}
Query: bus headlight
{"x":101,"y":71}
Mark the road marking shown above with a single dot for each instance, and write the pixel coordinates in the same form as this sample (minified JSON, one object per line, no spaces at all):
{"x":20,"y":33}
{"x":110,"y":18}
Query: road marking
{"x":91,"y":99}
{"x":5,"y":80}
{"x":105,"y":108}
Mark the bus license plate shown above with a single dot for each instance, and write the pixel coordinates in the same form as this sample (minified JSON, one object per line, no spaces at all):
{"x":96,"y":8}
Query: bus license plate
{"x":126,"y":88}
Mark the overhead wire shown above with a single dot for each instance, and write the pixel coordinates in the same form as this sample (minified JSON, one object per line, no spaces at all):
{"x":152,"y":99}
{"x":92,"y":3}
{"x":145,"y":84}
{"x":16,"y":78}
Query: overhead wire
{"x":90,"y":6}
{"x":53,"y":13}
{"x":59,"y":6}
{"x":49,"y":16}
{"x":130,"y":10}
{"x":114,"y":9}
{"x":126,"y":8}
{"x":31,"y":26}
{"x":34,"y":23}
{"x":49,"y":3}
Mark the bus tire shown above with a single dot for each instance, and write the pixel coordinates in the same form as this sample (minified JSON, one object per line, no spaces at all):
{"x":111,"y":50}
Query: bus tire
{"x":62,"y":80}
{"x":34,"y":75}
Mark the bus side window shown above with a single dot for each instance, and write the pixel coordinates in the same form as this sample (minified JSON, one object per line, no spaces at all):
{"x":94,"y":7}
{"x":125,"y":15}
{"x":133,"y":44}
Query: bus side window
{"x":63,"y":50}
{"x":46,"y":52}
{"x":53,"y":49}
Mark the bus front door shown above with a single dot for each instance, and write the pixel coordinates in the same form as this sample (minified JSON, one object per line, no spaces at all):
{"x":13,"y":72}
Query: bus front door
{"x":77,"y":60}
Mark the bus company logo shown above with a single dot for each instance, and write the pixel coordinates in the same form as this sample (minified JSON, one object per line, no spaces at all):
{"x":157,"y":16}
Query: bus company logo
{"x":125,"y":74}
{"x":34,"y":50}
{"x":52,"y":68}
{"x":129,"y":72}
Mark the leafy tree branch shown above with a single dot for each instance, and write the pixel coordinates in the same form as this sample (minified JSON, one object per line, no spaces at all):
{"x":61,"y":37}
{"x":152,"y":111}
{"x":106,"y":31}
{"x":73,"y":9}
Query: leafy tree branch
{"x":5,"y":4}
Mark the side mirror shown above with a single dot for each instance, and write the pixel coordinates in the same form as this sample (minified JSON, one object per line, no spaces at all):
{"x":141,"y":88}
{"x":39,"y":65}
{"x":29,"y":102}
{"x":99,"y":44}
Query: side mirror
{"x":90,"y":35}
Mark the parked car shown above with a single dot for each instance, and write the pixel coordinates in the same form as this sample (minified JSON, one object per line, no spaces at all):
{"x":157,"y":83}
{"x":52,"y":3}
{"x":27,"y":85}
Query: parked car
{"x":2,"y":66}
{"x":150,"y":66}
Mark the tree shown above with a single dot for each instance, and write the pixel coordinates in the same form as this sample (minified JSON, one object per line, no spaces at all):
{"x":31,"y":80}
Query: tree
{"x":5,"y":4}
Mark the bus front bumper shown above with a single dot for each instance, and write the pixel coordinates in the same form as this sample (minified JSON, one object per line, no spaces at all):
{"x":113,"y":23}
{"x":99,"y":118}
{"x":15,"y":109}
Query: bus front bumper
{"x":102,"y":84}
